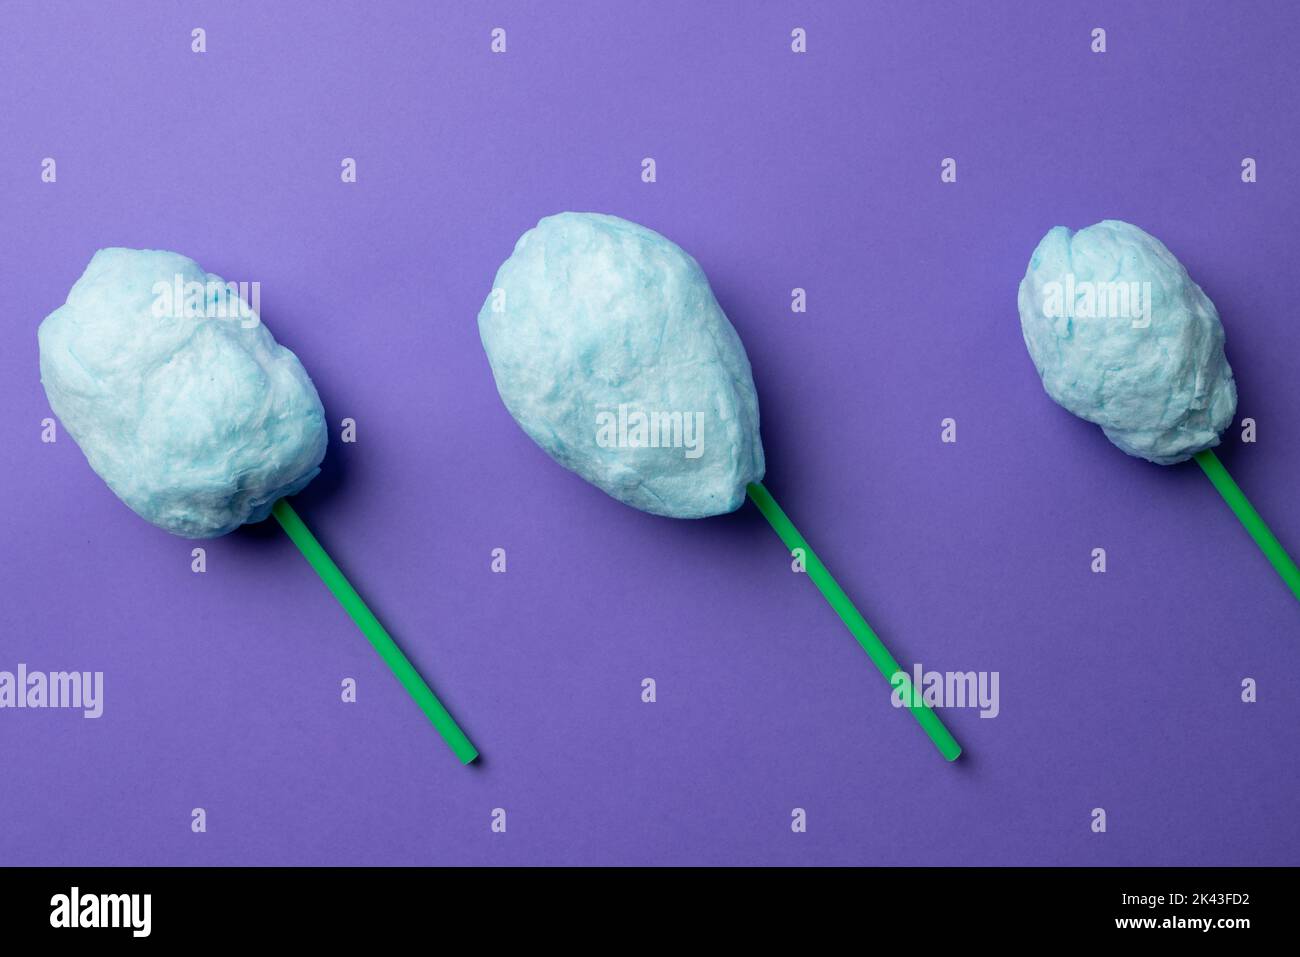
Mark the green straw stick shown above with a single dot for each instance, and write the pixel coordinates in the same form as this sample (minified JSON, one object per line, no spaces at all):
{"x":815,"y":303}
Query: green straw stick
{"x":1246,"y":514}
{"x":853,"y":620}
{"x":373,"y":630}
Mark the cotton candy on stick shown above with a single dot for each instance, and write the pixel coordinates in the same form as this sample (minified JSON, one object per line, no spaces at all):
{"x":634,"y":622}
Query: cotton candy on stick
{"x":183,"y":402}
{"x":609,"y":349}
{"x":1123,"y":337}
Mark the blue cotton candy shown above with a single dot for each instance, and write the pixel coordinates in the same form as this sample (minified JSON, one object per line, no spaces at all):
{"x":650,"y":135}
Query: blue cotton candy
{"x":198,"y":423}
{"x":1152,"y":375}
{"x":611,"y":352}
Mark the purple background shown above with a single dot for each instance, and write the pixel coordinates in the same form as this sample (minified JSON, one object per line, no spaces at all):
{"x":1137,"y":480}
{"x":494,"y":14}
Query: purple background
{"x":775,"y":170}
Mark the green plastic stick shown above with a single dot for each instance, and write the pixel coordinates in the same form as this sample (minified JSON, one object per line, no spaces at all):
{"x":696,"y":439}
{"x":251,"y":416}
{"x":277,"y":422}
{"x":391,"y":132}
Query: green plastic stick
{"x":1249,"y":518}
{"x":853,"y":620}
{"x":373,"y":630}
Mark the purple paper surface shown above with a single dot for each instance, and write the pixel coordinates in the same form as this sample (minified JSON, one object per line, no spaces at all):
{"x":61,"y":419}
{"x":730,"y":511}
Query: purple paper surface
{"x":775,"y":170}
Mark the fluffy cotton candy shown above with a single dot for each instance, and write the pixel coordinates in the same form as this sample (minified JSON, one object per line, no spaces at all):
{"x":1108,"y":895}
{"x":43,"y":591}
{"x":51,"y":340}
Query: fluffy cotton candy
{"x":611,"y":352}
{"x":198,"y":423}
{"x":1122,"y":337}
